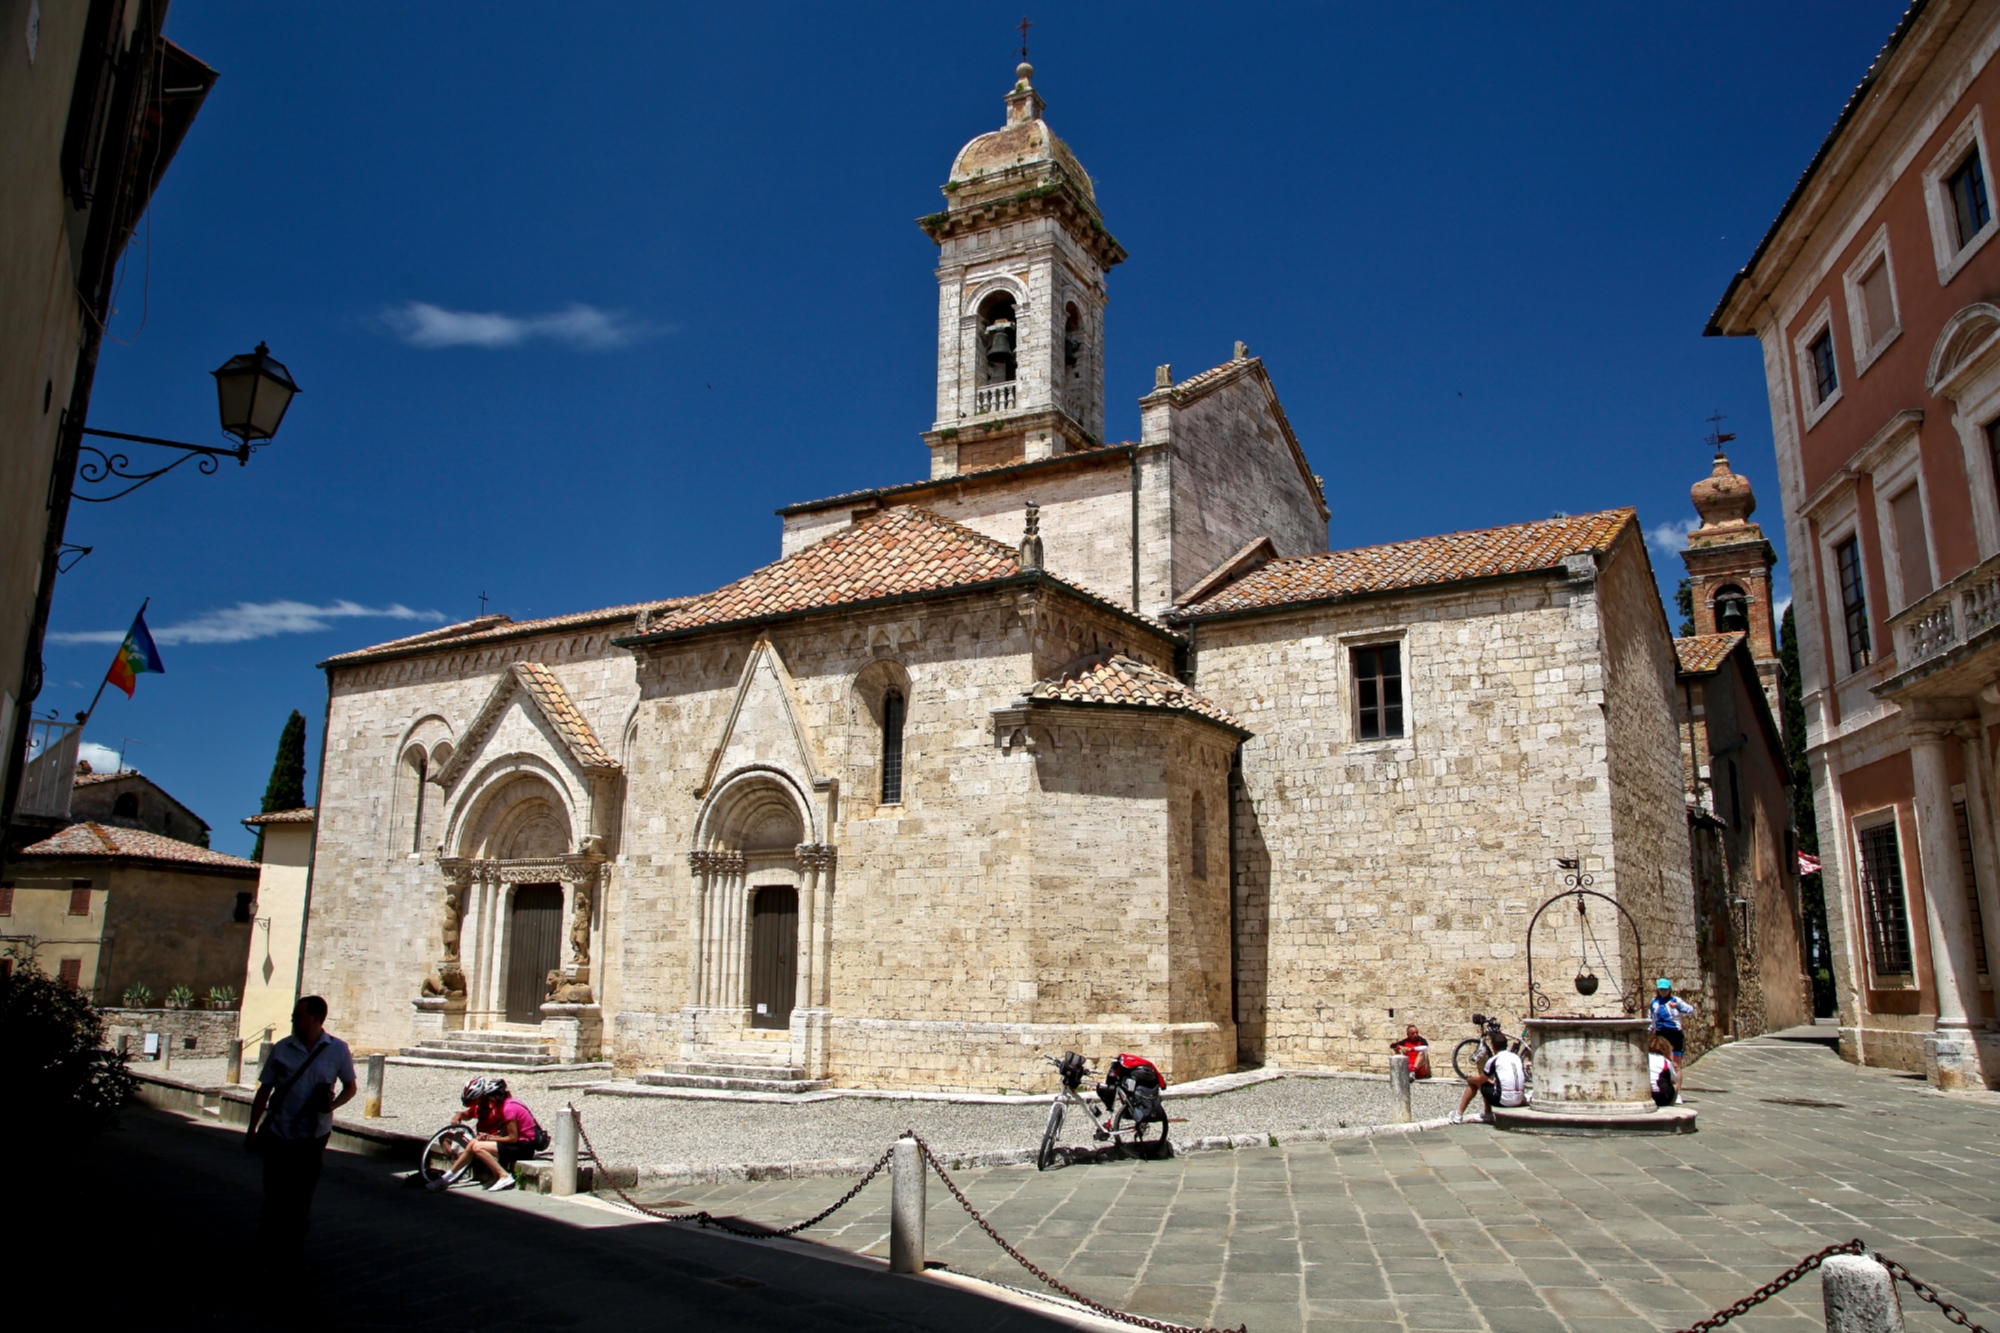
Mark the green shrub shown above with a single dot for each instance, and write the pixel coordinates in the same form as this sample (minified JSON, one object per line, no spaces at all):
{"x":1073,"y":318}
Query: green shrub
{"x":138,"y":995}
{"x":57,"y":1078}
{"x":180,"y":997}
{"x":222,"y":997}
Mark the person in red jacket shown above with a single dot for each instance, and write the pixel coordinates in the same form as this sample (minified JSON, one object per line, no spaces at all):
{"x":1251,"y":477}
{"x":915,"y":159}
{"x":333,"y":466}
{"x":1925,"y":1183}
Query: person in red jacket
{"x":1416,"y":1048}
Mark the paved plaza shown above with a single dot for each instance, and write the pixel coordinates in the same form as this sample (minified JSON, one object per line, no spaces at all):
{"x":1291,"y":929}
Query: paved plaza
{"x":1469,"y":1229}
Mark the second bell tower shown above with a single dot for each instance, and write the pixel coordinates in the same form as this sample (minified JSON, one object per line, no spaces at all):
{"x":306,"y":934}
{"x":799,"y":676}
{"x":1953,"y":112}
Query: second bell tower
{"x":1022,"y":254}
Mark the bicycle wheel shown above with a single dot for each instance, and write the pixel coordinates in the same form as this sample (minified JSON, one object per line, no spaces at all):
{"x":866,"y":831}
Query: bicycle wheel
{"x":441,"y":1152}
{"x":1049,"y":1136}
{"x":1465,"y":1060}
{"x":1149,"y":1137}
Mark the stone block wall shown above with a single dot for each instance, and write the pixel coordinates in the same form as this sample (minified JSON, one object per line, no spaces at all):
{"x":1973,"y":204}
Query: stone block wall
{"x":196,"y":1034}
{"x":1380,"y":883}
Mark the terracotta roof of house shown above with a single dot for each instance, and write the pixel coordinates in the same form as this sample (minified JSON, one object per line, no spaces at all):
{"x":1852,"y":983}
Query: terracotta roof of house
{"x":484,"y":629}
{"x":1700,"y":654}
{"x":104,"y":842}
{"x":303,"y":815}
{"x":1122,"y":682}
{"x":940,"y":483}
{"x":1519,"y":548}
{"x":901,"y":552}
{"x":134,"y":775}
{"x":92,"y":779}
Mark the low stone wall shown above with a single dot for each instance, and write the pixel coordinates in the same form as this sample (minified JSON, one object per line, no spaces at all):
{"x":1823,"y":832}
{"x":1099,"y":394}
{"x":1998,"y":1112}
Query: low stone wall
{"x":195,"y":1034}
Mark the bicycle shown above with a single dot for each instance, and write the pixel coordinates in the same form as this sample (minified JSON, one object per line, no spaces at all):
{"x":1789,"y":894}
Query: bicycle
{"x":1138,"y":1123}
{"x":444,"y":1148}
{"x":1469,"y":1056}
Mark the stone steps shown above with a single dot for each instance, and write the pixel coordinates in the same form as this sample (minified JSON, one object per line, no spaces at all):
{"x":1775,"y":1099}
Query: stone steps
{"x":789,"y":1083}
{"x":505,"y":1050}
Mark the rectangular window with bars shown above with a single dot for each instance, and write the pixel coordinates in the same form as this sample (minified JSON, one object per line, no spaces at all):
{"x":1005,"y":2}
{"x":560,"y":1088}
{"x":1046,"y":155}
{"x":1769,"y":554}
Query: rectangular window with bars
{"x":1970,"y":866}
{"x":1378,"y":692}
{"x":1887,"y":911}
{"x":1853,"y":603}
{"x":79,"y":899}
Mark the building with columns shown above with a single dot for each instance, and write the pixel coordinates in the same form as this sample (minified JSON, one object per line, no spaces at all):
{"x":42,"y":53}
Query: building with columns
{"x":1872,"y":296}
{"x":1067,"y":743}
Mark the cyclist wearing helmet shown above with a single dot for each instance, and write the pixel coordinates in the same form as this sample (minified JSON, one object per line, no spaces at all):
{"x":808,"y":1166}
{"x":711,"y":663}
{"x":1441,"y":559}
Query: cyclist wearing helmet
{"x":507,"y":1132}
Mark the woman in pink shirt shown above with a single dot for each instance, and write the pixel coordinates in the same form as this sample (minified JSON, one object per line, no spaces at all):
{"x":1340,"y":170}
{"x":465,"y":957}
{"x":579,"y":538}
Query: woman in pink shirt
{"x":507,"y":1133}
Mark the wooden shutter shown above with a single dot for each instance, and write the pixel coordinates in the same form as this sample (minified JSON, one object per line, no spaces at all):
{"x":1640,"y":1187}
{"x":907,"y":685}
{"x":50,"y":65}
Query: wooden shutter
{"x":70,"y":972}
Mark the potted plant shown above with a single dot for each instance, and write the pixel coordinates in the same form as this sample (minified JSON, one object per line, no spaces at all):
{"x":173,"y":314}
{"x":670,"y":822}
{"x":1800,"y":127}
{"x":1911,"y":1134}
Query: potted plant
{"x":138,"y":995}
{"x":180,"y":997}
{"x":222,"y":997}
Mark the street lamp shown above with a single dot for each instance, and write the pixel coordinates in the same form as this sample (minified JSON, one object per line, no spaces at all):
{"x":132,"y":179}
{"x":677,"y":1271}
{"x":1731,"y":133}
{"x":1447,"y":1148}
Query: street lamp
{"x":252,"y":392}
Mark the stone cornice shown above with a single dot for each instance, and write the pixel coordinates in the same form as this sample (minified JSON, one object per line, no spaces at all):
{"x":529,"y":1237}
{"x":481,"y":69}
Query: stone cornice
{"x":581,"y":869}
{"x":1057,"y":199}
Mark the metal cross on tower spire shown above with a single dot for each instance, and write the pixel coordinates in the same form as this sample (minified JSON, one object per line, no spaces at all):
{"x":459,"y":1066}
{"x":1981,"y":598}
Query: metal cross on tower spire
{"x":1025,"y":25}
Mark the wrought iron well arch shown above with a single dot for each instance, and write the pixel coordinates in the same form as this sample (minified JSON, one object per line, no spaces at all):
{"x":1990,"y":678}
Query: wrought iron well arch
{"x":1579,"y":881}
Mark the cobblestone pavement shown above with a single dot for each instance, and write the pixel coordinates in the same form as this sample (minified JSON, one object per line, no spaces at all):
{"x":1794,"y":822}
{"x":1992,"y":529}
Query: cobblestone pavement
{"x":1469,"y":1229}
{"x":168,"y":1204}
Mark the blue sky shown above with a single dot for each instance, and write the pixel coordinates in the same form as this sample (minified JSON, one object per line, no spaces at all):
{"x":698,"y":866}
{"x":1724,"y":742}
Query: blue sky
{"x":579,"y":294}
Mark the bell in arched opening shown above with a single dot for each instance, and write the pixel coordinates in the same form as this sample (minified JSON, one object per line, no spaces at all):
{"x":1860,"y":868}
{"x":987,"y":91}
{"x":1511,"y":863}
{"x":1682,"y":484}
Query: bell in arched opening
{"x":1732,"y":610}
{"x":997,"y":340}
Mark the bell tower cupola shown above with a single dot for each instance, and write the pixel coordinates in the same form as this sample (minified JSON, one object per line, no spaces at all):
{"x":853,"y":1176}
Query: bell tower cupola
{"x":1729,"y":569}
{"x":1022,"y":254}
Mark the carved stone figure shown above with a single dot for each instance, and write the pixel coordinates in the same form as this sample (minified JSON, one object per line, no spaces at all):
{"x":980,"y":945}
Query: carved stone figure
{"x":579,"y":928}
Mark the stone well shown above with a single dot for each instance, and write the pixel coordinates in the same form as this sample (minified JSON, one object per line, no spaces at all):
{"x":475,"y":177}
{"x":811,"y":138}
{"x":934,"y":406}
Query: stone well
{"x":1591,"y":1078}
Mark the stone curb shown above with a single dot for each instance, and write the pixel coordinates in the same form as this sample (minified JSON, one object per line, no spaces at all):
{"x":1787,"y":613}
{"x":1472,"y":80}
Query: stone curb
{"x":671,"y":1174}
{"x":1208,"y":1087}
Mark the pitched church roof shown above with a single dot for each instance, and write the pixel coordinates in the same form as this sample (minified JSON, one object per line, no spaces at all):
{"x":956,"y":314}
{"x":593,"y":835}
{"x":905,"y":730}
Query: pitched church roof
{"x":106,"y":842}
{"x":1121,"y":682}
{"x":900,"y":552}
{"x":487,"y":629}
{"x":1699,"y":654}
{"x":1455,"y":557}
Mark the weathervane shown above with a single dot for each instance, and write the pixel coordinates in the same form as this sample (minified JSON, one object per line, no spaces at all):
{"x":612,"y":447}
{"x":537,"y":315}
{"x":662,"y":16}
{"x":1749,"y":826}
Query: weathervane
{"x":1025,"y":25}
{"x":1717,"y":437}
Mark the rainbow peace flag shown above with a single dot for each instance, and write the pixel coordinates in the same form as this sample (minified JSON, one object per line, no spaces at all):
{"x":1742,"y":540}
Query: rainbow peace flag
{"x":137,"y":654}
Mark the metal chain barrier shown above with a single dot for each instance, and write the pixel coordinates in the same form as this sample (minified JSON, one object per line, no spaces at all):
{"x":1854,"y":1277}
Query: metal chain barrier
{"x":1776,"y":1285}
{"x":1029,"y":1264}
{"x":1925,"y":1291}
{"x":704,"y":1218}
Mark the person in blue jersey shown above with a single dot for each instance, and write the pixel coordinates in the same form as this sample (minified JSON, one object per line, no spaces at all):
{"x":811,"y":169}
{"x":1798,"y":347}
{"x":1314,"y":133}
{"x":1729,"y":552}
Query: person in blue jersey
{"x":1667,"y":1010}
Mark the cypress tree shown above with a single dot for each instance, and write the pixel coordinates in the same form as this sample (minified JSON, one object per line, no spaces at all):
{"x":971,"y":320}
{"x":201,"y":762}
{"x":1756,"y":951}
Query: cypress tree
{"x":1812,"y":888}
{"x":287,"y":788}
{"x":1684,"y":603}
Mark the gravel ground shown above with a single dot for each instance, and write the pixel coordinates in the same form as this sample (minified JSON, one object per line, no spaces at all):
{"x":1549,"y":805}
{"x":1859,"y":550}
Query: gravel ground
{"x":683,"y":1132}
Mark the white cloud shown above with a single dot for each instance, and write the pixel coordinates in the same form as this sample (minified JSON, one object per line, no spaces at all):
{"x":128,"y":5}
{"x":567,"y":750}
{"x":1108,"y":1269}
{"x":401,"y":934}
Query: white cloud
{"x":583,"y":328}
{"x":256,"y":620}
{"x":102,"y":758}
{"x":1671,"y":538}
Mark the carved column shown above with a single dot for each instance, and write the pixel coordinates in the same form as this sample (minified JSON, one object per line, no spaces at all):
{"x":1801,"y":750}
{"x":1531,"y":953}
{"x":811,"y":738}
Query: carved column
{"x":811,"y":1020}
{"x":1951,"y":1055}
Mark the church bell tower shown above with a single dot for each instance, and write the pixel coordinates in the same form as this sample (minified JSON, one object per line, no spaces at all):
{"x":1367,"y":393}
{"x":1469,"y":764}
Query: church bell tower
{"x":1022,"y":254}
{"x":1729,"y":571}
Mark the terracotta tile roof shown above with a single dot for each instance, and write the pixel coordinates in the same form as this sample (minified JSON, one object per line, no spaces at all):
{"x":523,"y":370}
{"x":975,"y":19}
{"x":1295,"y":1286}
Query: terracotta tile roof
{"x":1519,"y":548}
{"x":1196,"y":386}
{"x":488,"y":628}
{"x":92,"y":779}
{"x":939,"y":483}
{"x":1125,"y":683}
{"x":900,"y":552}
{"x":1700,"y":654}
{"x":104,"y":843}
{"x":562,"y":713}
{"x":303,"y":815}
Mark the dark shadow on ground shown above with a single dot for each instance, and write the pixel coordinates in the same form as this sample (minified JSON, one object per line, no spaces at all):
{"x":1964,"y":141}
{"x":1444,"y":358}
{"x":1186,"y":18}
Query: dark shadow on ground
{"x":158,"y":1216}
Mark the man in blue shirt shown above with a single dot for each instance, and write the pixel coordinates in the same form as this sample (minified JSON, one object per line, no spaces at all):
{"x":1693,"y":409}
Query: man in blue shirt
{"x":291,"y":1121}
{"x":1667,"y":1010}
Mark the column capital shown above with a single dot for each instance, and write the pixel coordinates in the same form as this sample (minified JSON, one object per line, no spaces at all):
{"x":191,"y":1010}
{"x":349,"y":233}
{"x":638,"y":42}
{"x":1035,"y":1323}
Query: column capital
{"x":714,"y":862}
{"x":817,"y":855}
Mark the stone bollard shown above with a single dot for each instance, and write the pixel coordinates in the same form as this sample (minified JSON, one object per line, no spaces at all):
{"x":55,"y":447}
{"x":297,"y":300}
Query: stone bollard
{"x":232,"y":1071}
{"x":1860,"y":1296}
{"x":906,"y":1208}
{"x":1399,"y":1090}
{"x":166,"y":1052}
{"x":562,"y":1179}
{"x":371,"y":1095}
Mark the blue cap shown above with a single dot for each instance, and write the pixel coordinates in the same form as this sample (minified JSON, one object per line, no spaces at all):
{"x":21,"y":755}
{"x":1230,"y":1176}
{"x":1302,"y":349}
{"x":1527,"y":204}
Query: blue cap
{"x":1663,"y":984}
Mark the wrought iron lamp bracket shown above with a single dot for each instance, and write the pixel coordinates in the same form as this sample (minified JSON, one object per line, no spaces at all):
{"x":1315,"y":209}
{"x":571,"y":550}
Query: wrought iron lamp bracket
{"x":96,"y":467}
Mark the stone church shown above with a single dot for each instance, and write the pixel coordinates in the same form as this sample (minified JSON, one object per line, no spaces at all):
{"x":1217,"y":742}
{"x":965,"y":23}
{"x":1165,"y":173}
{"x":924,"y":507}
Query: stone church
{"x":1068,"y":744}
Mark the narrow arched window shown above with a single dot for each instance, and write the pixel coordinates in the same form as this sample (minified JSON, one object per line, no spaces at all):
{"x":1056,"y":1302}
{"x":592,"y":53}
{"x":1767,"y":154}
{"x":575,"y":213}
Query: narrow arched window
{"x":418,"y":764}
{"x":1200,"y":836}
{"x":1072,"y":338}
{"x":892,"y":747}
{"x":997,"y":339}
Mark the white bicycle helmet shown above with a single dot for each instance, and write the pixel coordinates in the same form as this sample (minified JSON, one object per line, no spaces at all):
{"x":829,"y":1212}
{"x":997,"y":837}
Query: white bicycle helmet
{"x":479,"y":1088}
